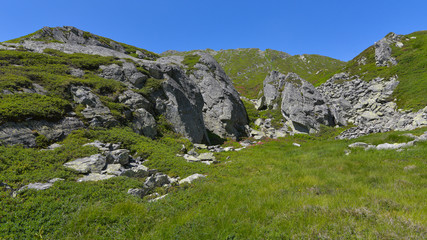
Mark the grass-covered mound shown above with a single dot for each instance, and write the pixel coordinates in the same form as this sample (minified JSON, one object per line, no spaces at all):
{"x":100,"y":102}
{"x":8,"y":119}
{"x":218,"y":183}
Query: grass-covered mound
{"x":411,"y":70}
{"x":273,"y":190}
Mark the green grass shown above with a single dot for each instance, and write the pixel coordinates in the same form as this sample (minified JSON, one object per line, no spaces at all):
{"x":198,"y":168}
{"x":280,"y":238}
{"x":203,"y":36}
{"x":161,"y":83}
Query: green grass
{"x":411,"y":70}
{"x":190,"y":61}
{"x":21,"y":107}
{"x":270,"y":191}
{"x":249,"y":67}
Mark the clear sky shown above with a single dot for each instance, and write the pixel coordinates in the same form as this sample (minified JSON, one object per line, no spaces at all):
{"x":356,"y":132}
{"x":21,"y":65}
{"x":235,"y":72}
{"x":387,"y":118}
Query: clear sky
{"x":339,"y":29}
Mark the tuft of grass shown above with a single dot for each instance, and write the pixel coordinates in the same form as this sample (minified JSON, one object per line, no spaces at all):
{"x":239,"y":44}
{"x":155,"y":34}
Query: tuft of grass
{"x":190,"y":61}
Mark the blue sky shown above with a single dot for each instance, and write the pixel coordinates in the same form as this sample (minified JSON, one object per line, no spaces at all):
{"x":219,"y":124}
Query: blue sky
{"x":339,"y":29}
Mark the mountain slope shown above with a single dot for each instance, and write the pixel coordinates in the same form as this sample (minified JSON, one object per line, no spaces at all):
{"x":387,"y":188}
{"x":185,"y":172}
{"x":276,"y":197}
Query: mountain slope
{"x":410,"y":53}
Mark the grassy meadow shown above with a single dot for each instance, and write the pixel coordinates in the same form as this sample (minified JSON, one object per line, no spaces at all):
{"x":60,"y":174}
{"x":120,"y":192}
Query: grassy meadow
{"x":272,"y":190}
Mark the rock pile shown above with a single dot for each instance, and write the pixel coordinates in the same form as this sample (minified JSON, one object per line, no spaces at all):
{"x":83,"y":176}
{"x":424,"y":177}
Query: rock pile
{"x":369,"y":106}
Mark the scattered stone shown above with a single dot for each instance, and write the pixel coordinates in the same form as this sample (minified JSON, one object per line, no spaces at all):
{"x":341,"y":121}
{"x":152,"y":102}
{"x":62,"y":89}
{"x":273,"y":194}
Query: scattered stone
{"x":206,"y":157}
{"x":36,"y":186}
{"x":138,"y":192}
{"x":296,"y":144}
{"x":139,"y":171}
{"x":191,"y":178}
{"x":409,"y":168}
{"x":157,"y":180}
{"x":158,"y":198}
{"x":54,"y":146}
{"x":120,"y":156}
{"x":94,"y":177}
{"x":92,"y":164}
{"x":200,"y":146}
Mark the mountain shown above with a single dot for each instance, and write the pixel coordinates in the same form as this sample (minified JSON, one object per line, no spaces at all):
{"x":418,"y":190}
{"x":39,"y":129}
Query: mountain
{"x":103,"y":140}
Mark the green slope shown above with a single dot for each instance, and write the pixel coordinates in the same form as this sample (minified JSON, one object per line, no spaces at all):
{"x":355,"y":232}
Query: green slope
{"x":411,"y":93}
{"x":269,"y":191}
{"x":249,"y":67}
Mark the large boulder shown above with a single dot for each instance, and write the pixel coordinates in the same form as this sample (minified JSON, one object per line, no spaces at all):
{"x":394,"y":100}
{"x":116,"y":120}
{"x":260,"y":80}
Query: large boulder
{"x":273,"y":84}
{"x":223,"y":112}
{"x":92,"y":164}
{"x":178,"y":99}
{"x":304,"y":107}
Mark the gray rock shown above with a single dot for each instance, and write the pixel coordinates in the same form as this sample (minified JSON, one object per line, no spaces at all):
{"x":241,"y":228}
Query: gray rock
{"x":179,"y":100}
{"x":206,"y":157}
{"x":157,"y":180}
{"x":135,"y":101}
{"x":119,"y":156}
{"x":139,"y":171}
{"x":157,"y":198}
{"x":305,"y":107}
{"x":12,"y":133}
{"x":128,"y":74}
{"x":97,"y":114}
{"x":383,"y":56}
{"x":191,"y":178}
{"x":144,"y":123}
{"x":36,"y":186}
{"x":94,"y":177}
{"x":359,"y":144}
{"x":223,"y":112}
{"x":273,"y":83}
{"x":92,"y":164}
{"x":138,"y":192}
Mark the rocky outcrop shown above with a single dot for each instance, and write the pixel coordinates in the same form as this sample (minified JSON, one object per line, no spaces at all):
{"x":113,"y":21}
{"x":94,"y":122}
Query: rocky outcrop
{"x":369,"y":105}
{"x":304,"y":107}
{"x":223,"y":112}
{"x":144,"y":123}
{"x":128,"y":74}
{"x":179,"y":100}
{"x":273,"y":84}
{"x":95,"y":112}
{"x":383,"y":56}
{"x":25,"y":133}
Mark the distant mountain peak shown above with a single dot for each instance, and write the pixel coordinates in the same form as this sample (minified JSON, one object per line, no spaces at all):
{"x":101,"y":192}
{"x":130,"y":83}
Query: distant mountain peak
{"x":73,"y":35}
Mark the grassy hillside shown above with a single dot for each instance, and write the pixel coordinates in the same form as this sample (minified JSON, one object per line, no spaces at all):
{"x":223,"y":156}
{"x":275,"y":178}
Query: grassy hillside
{"x":270,"y":191}
{"x":247,"y":68}
{"x":411,"y":70}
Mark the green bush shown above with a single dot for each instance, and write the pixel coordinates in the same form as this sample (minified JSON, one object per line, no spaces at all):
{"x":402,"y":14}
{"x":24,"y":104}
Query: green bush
{"x":20,"y":107}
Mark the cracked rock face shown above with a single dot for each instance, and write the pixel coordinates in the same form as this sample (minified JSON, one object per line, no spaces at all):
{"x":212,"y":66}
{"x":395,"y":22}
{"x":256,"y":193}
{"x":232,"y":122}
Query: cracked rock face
{"x":223,"y":112}
{"x":305,"y":107}
{"x":179,"y":100}
{"x":383,"y":56}
{"x":95,"y":111}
